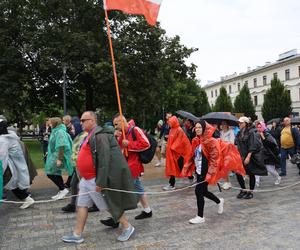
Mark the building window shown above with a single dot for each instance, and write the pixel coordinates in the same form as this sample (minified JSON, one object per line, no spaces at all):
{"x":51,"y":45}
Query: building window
{"x":299,"y":94}
{"x":246,"y":83}
{"x":299,"y":70}
{"x":275,"y":75}
{"x":216,"y":93}
{"x":212,"y":94}
{"x":239,"y":86}
{"x":255,"y":82}
{"x":265,"y":80}
{"x":230,"y":89}
{"x":255,"y":100}
{"x":289,"y":92}
{"x":287,"y":74}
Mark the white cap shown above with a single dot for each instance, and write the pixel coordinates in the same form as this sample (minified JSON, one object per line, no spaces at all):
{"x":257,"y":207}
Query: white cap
{"x":244,"y":119}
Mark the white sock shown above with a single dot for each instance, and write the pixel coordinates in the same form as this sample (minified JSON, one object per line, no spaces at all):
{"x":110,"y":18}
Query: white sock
{"x":147,"y":209}
{"x":76,"y":235}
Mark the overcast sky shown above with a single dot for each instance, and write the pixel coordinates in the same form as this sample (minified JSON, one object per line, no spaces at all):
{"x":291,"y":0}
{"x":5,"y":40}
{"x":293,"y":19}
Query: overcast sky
{"x":232,"y":34}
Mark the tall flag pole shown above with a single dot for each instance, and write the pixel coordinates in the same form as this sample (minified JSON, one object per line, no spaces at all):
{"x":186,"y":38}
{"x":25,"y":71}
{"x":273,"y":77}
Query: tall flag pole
{"x":115,"y":73}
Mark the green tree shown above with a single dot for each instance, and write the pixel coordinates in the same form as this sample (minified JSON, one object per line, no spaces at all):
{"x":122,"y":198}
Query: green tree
{"x":223,"y":102}
{"x":277,"y":102}
{"x":244,"y":104}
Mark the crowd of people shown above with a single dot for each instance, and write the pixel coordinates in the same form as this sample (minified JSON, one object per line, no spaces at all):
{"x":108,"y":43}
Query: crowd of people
{"x":98,"y":159}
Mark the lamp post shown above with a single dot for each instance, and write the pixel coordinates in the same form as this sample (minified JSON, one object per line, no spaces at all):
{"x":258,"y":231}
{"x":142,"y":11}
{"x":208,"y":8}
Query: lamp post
{"x":64,"y":88}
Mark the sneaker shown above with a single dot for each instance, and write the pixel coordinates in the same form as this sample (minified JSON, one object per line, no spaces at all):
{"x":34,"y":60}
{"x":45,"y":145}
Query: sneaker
{"x":158,"y":164}
{"x":248,"y":196}
{"x":110,"y":223}
{"x":27,"y":202}
{"x":241,"y":194}
{"x":168,"y":188}
{"x":282,"y":174}
{"x":221,"y":206}
{"x":126,"y":233}
{"x":226,"y":185}
{"x":93,"y":208}
{"x":70,"y":208}
{"x":72,"y":239}
{"x":197,"y":220}
{"x":60,"y":195}
{"x":257,"y":184}
{"x":277,"y":182}
{"x":143,"y":215}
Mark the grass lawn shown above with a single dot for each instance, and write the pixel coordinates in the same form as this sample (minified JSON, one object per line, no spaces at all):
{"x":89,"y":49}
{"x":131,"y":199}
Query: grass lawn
{"x":36,"y":152}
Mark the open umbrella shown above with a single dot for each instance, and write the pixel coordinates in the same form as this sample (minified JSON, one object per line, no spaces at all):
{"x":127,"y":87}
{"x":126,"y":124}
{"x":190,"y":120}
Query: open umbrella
{"x":218,"y":117}
{"x":295,"y":120}
{"x":187,"y":115}
{"x":277,"y":120}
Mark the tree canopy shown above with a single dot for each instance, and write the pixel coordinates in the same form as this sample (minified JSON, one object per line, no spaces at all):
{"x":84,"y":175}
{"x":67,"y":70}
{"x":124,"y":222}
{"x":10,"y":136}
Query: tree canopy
{"x":223,"y":102}
{"x":243,"y":103}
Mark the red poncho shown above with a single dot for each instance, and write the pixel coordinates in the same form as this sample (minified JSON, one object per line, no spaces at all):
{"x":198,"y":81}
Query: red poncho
{"x":178,"y":145}
{"x":223,"y":157}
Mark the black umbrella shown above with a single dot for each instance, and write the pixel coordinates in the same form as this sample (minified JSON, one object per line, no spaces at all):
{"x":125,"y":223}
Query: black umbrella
{"x":295,"y":120}
{"x":218,"y":117}
{"x":277,"y":120}
{"x":187,"y":115}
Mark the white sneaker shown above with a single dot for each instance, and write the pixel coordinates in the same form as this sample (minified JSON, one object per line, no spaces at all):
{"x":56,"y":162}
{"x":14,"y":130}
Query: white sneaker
{"x":61,"y":194}
{"x":257,"y":184}
{"x":197,"y":220}
{"x":157,"y":164}
{"x":168,"y":188}
{"x":221,"y":206}
{"x":27,"y":202}
{"x":277,"y":182}
{"x":226,"y":185}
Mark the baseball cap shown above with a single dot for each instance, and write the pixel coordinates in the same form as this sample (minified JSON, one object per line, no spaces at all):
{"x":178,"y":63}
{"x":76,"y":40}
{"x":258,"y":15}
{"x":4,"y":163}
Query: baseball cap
{"x":244,"y":119}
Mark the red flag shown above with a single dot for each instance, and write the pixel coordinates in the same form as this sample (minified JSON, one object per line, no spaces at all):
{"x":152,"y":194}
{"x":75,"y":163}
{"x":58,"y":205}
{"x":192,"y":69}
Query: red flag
{"x":148,"y":8}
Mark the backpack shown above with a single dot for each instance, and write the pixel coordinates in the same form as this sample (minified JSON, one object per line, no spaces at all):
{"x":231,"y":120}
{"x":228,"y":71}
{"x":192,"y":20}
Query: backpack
{"x":147,"y":155}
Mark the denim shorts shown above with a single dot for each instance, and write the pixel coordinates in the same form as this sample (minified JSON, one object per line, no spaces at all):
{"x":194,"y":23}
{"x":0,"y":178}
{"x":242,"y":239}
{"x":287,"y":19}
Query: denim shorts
{"x":138,"y":186}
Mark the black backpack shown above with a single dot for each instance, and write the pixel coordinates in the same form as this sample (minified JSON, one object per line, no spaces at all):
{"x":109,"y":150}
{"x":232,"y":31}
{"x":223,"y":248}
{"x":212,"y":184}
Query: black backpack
{"x":147,"y":155}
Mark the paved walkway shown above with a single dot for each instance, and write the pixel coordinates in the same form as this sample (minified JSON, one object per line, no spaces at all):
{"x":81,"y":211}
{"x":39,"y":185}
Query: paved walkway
{"x":269,"y":221}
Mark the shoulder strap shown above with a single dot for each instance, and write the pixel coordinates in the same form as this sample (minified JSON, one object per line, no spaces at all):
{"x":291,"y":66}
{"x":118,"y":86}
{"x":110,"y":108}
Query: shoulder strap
{"x":133,"y":133}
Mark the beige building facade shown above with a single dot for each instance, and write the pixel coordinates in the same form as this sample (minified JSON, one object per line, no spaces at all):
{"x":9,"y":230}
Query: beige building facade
{"x":286,"y":68}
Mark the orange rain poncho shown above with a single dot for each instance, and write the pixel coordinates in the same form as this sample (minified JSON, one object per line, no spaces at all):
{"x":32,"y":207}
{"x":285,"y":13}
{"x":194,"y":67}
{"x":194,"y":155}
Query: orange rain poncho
{"x":222,"y":156}
{"x":178,"y":145}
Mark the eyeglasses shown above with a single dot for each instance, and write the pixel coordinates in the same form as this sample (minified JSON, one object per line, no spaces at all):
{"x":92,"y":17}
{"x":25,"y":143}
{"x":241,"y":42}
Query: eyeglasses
{"x":115,"y":124}
{"x":83,"y":120}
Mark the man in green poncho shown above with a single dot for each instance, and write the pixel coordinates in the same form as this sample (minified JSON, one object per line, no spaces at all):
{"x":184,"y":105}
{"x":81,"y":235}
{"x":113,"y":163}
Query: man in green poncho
{"x":59,"y":156}
{"x":101,"y":165}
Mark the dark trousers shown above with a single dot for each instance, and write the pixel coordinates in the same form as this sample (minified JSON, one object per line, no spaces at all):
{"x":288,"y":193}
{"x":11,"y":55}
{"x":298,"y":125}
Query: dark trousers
{"x":284,"y":153}
{"x":241,"y":181}
{"x":58,"y":181}
{"x":201,"y":191}
{"x":172,"y":179}
{"x":20,"y":193}
{"x":45,"y":150}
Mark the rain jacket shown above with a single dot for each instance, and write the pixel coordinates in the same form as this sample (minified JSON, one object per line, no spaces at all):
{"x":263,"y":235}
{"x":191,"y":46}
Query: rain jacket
{"x":178,"y":145}
{"x":222,"y":156}
{"x":59,"y":138}
{"x":112,"y":172}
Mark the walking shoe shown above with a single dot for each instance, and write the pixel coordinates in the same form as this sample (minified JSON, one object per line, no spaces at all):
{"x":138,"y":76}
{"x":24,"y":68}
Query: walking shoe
{"x":277,"y":182}
{"x":93,"y":208}
{"x":158,"y":164}
{"x":248,"y":196}
{"x":241,"y":194}
{"x":168,"y":188}
{"x":110,"y":223}
{"x":143,"y":215}
{"x":60,"y":195}
{"x":282,"y":174}
{"x":257,"y":184}
{"x":197,"y":220}
{"x":126,"y":233}
{"x":72,"y":239}
{"x":27,"y":202}
{"x":221,"y":206}
{"x":70,"y":208}
{"x":226,"y":185}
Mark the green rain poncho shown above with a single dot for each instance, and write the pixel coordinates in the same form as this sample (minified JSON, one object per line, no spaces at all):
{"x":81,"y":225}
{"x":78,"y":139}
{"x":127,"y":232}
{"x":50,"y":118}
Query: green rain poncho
{"x":59,"y":138}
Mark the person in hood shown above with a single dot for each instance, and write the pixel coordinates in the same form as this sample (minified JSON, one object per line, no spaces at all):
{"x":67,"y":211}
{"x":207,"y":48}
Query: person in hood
{"x":16,"y":176}
{"x":178,"y":153}
{"x":213,"y":159}
{"x":101,"y":165}
{"x":250,"y":147}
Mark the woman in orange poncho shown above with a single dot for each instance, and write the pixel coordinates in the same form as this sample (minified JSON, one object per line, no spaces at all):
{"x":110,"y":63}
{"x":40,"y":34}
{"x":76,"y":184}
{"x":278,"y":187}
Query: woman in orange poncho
{"x":178,"y":149}
{"x":213,"y":159}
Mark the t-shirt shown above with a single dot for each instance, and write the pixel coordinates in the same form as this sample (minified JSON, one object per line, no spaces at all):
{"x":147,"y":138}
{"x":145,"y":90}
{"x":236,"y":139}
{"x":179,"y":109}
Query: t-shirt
{"x":85,"y":164}
{"x":286,"y":138}
{"x":198,"y":159}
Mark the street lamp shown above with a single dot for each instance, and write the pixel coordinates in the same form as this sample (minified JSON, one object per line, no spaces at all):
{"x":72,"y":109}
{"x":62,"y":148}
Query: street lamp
{"x":64,"y":88}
